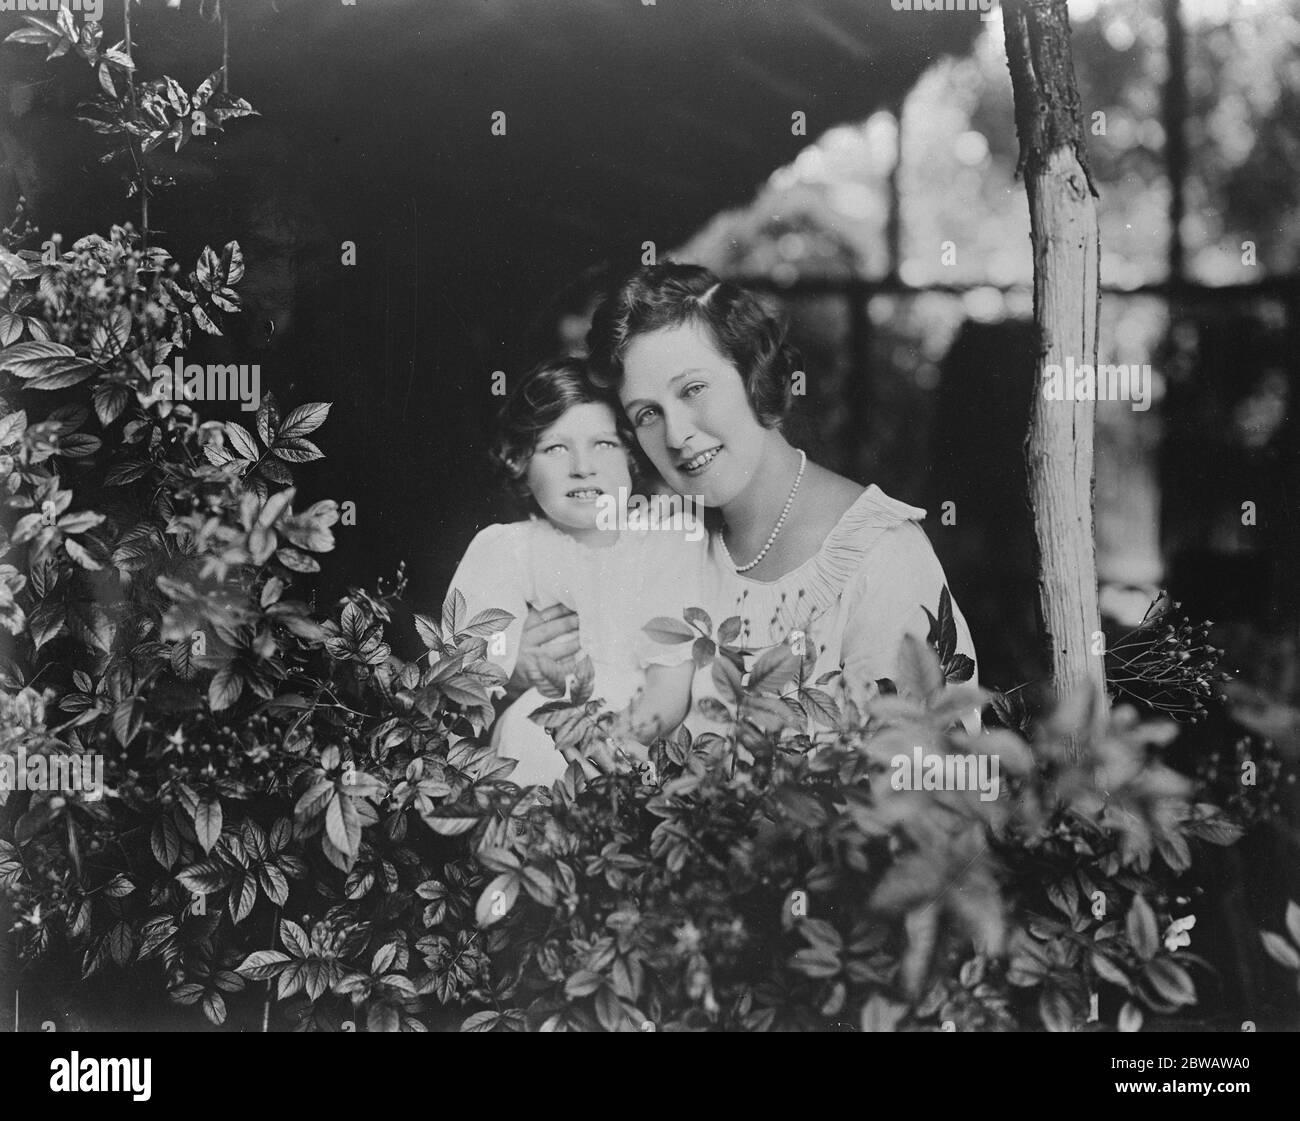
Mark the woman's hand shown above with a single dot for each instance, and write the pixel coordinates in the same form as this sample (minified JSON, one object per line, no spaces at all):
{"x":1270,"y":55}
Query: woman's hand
{"x":548,"y":649}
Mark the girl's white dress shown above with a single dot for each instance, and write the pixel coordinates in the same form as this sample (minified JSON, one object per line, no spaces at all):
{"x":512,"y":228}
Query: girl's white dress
{"x":615,"y":591}
{"x":854,"y":599}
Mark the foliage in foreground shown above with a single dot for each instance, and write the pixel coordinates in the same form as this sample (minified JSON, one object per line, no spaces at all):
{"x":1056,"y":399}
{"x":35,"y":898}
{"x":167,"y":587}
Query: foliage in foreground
{"x":300,"y":828}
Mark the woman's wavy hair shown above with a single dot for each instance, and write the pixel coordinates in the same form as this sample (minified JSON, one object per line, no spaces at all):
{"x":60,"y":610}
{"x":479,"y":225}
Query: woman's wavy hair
{"x":671,"y":294}
{"x":544,"y":394}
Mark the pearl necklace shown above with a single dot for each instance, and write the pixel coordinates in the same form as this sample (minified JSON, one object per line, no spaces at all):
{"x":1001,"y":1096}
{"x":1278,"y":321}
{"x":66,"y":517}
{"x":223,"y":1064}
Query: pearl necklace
{"x":776,"y":529}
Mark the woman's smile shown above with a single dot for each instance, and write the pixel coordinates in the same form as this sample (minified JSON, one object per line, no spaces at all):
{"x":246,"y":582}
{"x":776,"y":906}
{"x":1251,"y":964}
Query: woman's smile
{"x":697,"y":464}
{"x":691,"y":412}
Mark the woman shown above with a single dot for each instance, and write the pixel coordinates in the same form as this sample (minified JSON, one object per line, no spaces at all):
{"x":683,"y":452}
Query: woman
{"x":799,"y":553}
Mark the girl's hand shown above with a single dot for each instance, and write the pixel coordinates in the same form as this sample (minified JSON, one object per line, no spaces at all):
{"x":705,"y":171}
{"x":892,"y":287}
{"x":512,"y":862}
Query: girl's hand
{"x":548,"y":650}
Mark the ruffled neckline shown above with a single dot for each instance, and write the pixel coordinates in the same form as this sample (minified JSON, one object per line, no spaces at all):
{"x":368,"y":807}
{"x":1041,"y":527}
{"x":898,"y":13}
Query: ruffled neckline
{"x":567,"y":541}
{"x":818,"y":582}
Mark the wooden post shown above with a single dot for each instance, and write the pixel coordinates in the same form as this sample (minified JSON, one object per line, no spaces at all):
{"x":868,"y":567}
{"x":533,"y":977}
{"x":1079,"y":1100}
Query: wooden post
{"x":1066,"y":245}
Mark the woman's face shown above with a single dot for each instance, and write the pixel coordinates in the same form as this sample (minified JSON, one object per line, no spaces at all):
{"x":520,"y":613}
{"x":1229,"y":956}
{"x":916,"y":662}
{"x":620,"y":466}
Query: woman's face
{"x":691,"y":413}
{"x":578,"y":459}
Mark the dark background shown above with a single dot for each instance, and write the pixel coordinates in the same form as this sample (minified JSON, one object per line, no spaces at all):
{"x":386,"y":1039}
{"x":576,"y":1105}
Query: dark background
{"x":625,"y":123}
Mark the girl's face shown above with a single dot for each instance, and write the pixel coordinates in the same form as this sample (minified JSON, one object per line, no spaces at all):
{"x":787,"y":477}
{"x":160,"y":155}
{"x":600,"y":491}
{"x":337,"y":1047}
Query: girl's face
{"x":576,"y":460}
{"x":691,"y":413}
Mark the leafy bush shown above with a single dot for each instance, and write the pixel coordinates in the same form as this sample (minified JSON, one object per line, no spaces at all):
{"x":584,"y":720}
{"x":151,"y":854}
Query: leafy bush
{"x":300,"y":828}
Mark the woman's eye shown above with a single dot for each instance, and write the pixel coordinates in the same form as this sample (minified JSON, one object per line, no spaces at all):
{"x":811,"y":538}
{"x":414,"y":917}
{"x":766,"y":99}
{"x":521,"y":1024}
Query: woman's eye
{"x":645,"y":416}
{"x":694,"y":389}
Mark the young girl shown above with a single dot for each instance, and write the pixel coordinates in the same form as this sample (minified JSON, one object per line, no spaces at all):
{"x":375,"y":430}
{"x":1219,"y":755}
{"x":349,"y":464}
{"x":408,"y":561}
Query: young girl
{"x":559,"y":445}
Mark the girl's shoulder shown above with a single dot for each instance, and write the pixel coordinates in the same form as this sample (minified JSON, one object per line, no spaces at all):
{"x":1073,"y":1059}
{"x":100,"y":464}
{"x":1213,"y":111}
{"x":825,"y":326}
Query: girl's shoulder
{"x":506,"y":534}
{"x":502,"y":546}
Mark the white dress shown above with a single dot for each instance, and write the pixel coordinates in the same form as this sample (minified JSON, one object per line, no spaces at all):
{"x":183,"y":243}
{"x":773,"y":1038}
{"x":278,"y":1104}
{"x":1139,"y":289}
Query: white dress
{"x":615,"y":591}
{"x":864,"y":589}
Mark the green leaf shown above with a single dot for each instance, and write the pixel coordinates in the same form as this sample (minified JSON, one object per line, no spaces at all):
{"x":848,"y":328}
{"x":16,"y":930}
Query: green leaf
{"x":204,"y":320}
{"x":451,"y":822}
{"x":189,"y":993}
{"x":703,"y":651}
{"x":919,"y":671}
{"x":296,"y":450}
{"x":294,"y":938}
{"x":61,"y":373}
{"x":816,"y":963}
{"x":263,"y":964}
{"x":11,"y":866}
{"x":81,"y":555}
{"x":207,"y":823}
{"x":583,"y":983}
{"x":729,"y":631}
{"x":12,"y":426}
{"x":773,"y":669}
{"x":486,"y":623}
{"x":1130,"y":1017}
{"x":497,"y":899}
{"x":204,"y":878}
{"x":304,"y":419}
{"x":118,"y":887}
{"x":27,"y":360}
{"x":698,"y":617}
{"x":242,"y":441}
{"x":225,"y":688}
{"x":668,"y":631}
{"x":343,"y":826}
{"x":214,"y":1007}
{"x":609,"y":1009}
{"x":1280,"y":950}
{"x":1107,"y":970}
{"x":1056,"y":1011}
{"x":274,"y":883}
{"x":881,"y":1014}
{"x":1170,"y":981}
{"x":727,"y":680}
{"x":1140,"y":923}
{"x":383,"y":1018}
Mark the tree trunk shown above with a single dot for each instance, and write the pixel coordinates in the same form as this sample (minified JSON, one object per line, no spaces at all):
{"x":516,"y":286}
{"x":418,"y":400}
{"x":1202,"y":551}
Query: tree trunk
{"x":1059,"y":446}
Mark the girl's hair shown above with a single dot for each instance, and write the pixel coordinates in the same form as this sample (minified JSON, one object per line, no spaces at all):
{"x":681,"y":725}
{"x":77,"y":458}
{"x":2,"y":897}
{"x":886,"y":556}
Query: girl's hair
{"x":671,"y":294}
{"x":543,"y":395}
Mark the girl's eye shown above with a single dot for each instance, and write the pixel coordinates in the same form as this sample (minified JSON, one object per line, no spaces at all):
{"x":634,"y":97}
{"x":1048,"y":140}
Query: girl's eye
{"x":552,"y":448}
{"x":645,"y":416}
{"x":608,"y":444}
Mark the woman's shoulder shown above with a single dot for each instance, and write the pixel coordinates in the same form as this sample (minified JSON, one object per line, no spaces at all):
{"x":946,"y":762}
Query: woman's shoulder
{"x":873,"y":524}
{"x":896,"y":559}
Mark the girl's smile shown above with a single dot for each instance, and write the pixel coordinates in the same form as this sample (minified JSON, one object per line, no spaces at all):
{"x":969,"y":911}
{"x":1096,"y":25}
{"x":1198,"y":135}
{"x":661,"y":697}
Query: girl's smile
{"x":578,"y":460}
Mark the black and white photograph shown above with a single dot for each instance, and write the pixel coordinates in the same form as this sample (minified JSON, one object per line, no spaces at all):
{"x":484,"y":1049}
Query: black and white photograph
{"x":649,"y":516}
